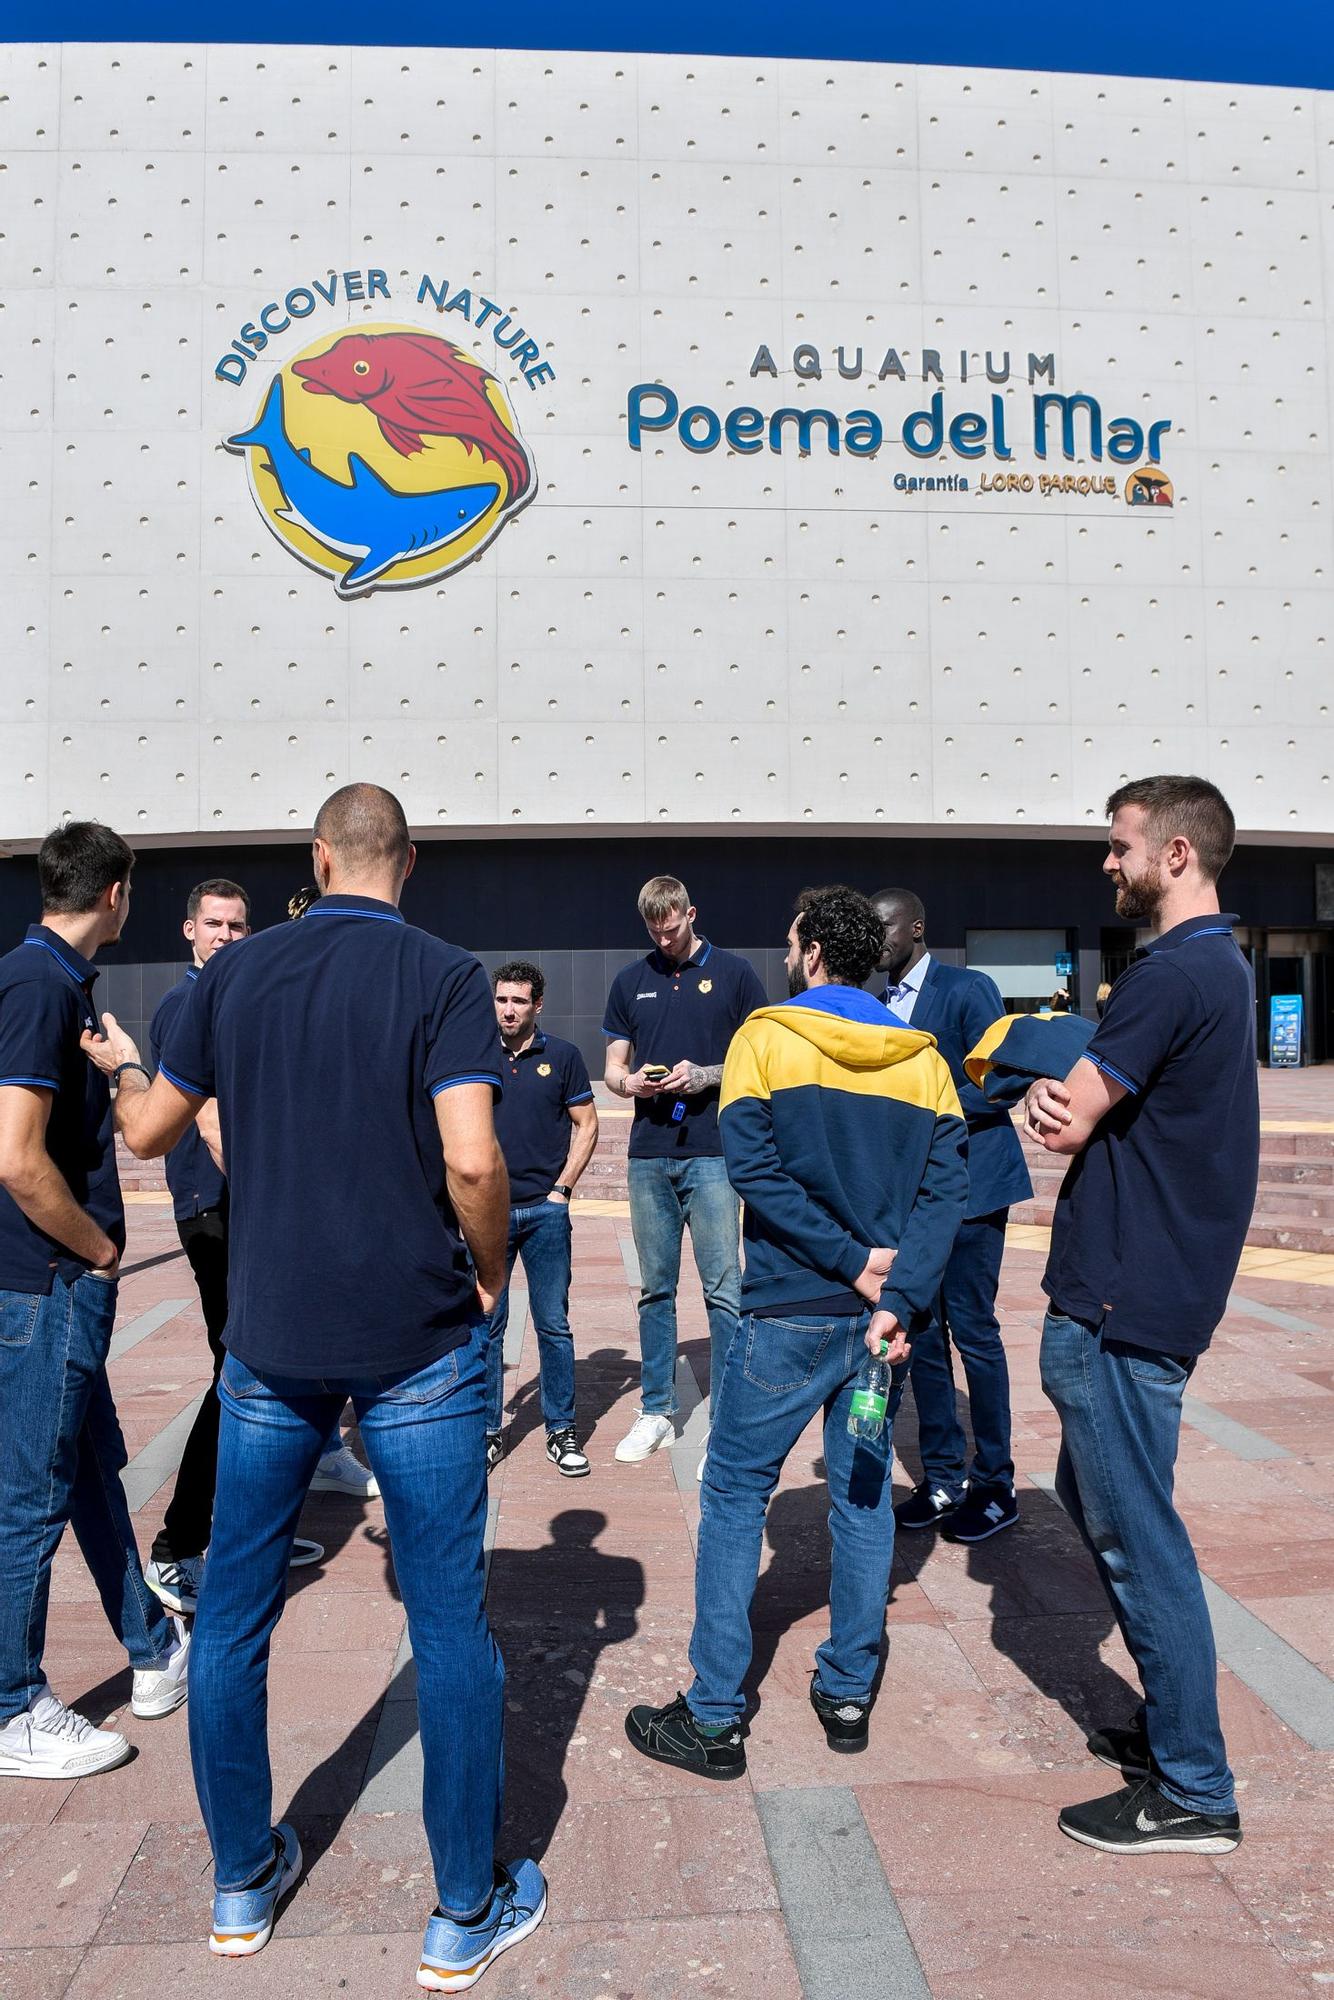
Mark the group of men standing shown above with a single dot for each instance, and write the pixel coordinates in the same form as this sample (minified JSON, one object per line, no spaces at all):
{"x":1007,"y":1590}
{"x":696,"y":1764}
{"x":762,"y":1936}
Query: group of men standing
{"x":352,"y":1064}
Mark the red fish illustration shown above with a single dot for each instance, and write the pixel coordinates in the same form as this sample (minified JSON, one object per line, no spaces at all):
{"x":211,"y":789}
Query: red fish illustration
{"x":417,"y":386}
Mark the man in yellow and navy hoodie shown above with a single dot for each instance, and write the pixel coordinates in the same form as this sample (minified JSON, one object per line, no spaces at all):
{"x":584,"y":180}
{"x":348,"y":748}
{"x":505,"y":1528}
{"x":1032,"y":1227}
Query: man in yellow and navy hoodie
{"x":843,"y":1136}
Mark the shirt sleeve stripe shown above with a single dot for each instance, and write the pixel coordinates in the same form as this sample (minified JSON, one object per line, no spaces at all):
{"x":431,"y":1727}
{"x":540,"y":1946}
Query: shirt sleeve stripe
{"x":584,"y":1097}
{"x":38,"y":1082}
{"x":481,"y":1076}
{"x":1117,"y":1076}
{"x":192,"y":1089}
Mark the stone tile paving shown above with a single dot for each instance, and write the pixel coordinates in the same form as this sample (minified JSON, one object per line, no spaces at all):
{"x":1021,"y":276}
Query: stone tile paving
{"x":999,"y":1659}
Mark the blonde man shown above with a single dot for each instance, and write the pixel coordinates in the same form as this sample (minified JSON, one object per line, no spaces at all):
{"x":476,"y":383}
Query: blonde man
{"x":669,"y":1019}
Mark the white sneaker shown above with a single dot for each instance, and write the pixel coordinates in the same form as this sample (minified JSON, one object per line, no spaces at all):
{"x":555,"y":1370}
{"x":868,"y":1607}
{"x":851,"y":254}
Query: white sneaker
{"x":162,"y":1690}
{"x":177,"y":1584}
{"x":341,"y":1471}
{"x":51,"y":1741}
{"x":644,"y":1436}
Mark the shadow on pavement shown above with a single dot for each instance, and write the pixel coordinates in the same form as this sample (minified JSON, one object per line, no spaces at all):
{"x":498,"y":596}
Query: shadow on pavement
{"x":601,"y":1379}
{"x":553,"y":1610}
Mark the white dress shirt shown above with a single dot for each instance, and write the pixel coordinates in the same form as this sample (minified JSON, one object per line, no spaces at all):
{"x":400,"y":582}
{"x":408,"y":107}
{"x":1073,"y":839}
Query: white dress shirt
{"x":901,"y":999}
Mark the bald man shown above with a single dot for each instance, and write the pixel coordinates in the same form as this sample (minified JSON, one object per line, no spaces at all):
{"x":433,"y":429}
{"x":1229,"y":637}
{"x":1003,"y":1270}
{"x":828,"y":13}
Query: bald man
{"x":355,"y":1061}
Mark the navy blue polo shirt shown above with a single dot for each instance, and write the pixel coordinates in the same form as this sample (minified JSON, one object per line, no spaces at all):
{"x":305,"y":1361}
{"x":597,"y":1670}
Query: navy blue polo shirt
{"x":46,"y":1002}
{"x":192,"y":1171}
{"x":532,"y":1118}
{"x":325,"y":1043}
{"x":1153,"y":1213}
{"x":674,"y":1013}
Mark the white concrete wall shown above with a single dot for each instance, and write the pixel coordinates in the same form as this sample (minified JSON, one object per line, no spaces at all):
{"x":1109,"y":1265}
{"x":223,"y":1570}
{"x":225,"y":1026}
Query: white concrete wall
{"x":663,"y":637}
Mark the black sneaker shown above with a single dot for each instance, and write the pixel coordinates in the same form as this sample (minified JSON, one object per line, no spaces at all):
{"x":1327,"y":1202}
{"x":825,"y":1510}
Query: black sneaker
{"x":847,"y":1724}
{"x":564,"y":1453}
{"x":1140,"y":1820}
{"x":1125,"y":1749}
{"x":673,"y":1736}
{"x":495,"y":1450}
{"x":983,"y":1512}
{"x":926,"y":1507}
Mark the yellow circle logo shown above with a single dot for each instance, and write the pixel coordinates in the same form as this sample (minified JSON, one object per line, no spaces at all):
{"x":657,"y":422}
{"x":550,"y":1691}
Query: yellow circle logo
{"x":544,"y":1069}
{"x":1149,"y":488}
{"x":385,"y":458}
{"x":706,"y":986}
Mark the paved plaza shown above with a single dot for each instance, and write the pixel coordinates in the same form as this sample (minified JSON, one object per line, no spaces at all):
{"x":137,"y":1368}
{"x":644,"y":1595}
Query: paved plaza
{"x":930,"y":1865}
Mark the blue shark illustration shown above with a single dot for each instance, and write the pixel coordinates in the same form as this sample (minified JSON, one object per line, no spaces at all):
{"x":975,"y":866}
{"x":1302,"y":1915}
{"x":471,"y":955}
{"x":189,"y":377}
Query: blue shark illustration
{"x":366,"y":519}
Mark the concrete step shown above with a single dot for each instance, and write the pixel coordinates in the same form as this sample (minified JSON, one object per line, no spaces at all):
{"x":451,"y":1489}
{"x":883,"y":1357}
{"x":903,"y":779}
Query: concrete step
{"x":1293,"y":1232}
{"x":1299,"y":1145}
{"x":1295,"y":1172}
{"x":1284,"y":1199}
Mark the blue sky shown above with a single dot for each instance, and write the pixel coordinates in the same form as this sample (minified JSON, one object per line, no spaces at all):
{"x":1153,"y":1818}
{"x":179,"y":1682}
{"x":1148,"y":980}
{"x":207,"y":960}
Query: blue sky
{"x":1229,"y":42}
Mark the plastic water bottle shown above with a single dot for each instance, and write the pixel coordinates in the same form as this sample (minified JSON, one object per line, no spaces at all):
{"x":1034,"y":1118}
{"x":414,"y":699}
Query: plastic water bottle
{"x":870,"y":1400}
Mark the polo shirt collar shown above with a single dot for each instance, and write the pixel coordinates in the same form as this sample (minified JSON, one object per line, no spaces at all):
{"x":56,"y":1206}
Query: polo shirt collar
{"x":80,"y":969}
{"x":699,"y":956}
{"x":1211,"y":926}
{"x":535,"y":1047}
{"x":355,"y":906}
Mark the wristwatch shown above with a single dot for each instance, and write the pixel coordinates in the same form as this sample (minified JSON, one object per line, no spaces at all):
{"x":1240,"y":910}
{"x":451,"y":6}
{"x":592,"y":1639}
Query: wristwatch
{"x":563,"y":1187}
{"x":120,"y":1069}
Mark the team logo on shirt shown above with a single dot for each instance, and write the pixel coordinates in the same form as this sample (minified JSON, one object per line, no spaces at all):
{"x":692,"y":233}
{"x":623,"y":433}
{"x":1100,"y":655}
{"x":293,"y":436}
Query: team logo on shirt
{"x":706,"y":986}
{"x":544,"y":1069}
{"x":385,"y":457}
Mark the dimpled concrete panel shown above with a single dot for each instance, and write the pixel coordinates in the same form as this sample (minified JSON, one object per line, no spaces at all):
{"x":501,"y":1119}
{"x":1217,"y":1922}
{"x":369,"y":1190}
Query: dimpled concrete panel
{"x":704,"y":629}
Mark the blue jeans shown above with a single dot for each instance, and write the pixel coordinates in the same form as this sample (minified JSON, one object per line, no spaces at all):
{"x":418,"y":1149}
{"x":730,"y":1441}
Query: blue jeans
{"x":423,"y":1435}
{"x":61,"y":1457}
{"x":1120,"y":1411}
{"x":542,"y":1233}
{"x":667,"y":1196}
{"x":965,"y":1320}
{"x":779,"y":1372}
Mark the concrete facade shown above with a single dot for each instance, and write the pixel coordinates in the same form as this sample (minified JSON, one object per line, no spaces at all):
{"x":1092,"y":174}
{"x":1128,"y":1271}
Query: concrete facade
{"x":670,"y":637}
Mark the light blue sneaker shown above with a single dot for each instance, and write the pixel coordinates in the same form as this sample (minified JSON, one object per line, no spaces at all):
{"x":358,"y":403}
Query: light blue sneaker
{"x":243,"y":1918}
{"x":455,"y":1956}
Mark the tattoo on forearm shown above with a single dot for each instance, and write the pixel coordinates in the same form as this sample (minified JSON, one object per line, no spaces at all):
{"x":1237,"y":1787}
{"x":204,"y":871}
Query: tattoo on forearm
{"x":703,"y":1078}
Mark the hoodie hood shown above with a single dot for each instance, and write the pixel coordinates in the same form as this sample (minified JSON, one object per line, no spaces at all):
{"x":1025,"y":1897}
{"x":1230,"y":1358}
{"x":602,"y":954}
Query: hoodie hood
{"x":866,"y":1037}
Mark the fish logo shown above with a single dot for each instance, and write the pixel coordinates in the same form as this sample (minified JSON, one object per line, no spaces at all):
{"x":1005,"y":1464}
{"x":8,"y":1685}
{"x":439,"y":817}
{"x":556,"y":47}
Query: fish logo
{"x":385,"y":458}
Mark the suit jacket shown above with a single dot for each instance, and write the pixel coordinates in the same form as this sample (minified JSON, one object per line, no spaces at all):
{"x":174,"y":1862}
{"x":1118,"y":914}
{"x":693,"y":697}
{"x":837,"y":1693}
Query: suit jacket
{"x":957,"y":1007}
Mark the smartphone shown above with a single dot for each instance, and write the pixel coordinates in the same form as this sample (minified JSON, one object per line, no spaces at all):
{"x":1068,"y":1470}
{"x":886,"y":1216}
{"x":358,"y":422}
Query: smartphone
{"x":655,"y":1072}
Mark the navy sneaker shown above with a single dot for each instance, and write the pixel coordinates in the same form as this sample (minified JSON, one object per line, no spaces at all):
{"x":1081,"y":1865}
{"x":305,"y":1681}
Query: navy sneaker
{"x":673,"y":1736}
{"x":1142,"y":1820}
{"x":243,"y":1918}
{"x":926,"y":1507}
{"x":847,"y":1724}
{"x":984,"y":1511}
{"x":454,"y":1955}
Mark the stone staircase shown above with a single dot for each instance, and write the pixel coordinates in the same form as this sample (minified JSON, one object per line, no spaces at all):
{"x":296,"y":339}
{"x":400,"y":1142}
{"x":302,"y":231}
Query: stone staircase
{"x":1294,"y":1206}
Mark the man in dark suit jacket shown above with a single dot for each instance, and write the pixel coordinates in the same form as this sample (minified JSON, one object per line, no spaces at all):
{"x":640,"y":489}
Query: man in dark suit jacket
{"x":957,"y":1006}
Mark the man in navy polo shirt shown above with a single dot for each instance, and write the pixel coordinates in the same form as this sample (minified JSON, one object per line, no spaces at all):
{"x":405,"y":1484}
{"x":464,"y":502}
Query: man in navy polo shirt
{"x":1162,"y":1116}
{"x":957,"y":1005}
{"x":677,"y":1010}
{"x":547,"y":1125}
{"x":355,"y":1061}
{"x":62,"y":1231}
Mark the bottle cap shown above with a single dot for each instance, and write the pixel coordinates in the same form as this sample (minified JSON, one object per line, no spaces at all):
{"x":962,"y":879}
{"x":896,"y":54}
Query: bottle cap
{"x":884,"y":1349}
